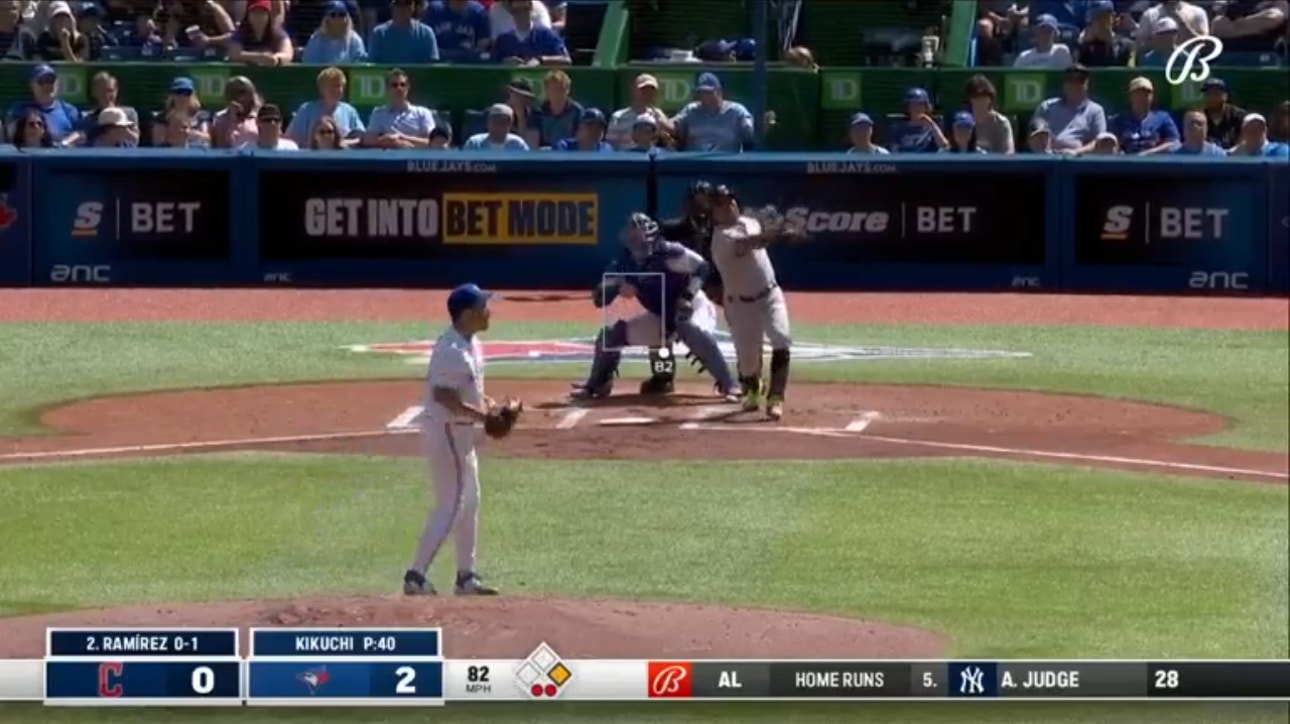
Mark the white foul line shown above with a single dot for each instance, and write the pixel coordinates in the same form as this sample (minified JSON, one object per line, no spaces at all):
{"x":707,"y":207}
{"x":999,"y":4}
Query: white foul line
{"x":1021,"y":452}
{"x":204,"y":445}
{"x":571,"y":418}
{"x":860,"y":423}
{"x":406,"y":418}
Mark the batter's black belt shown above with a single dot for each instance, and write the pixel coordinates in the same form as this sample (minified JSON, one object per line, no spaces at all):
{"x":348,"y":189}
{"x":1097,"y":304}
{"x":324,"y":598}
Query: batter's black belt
{"x":756,"y":297}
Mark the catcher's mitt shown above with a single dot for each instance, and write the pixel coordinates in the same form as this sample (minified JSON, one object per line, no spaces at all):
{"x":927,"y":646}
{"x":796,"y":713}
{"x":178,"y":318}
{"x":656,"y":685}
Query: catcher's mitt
{"x":501,"y":420}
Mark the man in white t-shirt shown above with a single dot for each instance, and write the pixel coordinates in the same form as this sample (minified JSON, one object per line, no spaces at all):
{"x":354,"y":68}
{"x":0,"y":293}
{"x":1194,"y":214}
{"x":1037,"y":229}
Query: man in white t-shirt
{"x":1047,"y":53}
{"x":269,"y":123}
{"x":455,"y":402}
{"x":500,"y":19}
{"x":1192,"y":20}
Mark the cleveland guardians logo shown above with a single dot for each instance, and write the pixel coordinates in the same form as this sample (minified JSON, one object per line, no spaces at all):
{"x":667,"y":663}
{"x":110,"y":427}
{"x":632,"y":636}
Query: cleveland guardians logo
{"x":671,"y":679}
{"x":110,"y":679}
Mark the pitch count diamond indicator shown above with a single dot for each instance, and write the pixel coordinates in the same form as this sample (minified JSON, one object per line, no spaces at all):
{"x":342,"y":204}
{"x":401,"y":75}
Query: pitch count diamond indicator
{"x":543,"y":674}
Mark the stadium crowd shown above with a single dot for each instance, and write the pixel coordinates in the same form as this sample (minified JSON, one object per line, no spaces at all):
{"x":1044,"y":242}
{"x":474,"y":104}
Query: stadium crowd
{"x":528,"y":33}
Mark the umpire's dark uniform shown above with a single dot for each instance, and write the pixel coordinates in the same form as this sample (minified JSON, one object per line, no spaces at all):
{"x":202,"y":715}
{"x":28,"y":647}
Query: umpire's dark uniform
{"x":695,"y":231}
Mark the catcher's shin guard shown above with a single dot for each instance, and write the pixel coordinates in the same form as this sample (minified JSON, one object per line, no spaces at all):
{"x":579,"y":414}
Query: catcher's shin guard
{"x":779,"y":363}
{"x":662,"y":368}
{"x":604,"y":366}
{"x":705,"y":353}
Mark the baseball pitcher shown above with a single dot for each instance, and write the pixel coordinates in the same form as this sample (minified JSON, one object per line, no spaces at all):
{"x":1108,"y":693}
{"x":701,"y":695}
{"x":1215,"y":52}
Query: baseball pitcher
{"x":754,"y":304}
{"x":669,"y":290}
{"x":455,"y":402}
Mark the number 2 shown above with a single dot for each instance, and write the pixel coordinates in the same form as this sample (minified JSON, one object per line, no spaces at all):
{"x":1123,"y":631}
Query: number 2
{"x":406,"y":675}
{"x":1166,"y":679}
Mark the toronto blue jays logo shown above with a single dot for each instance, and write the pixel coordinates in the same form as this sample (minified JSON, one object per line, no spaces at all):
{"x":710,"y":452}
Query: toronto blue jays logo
{"x":314,"y":678}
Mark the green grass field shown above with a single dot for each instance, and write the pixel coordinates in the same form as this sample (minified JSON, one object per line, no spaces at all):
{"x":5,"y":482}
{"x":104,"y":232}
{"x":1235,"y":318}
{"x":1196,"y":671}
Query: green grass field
{"x":1010,"y":560}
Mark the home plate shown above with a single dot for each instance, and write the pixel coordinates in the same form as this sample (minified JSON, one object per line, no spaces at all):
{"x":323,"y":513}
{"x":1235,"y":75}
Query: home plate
{"x":613,"y":421}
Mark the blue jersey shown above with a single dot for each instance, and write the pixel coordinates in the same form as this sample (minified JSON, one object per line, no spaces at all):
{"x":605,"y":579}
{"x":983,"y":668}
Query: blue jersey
{"x":670,"y":271}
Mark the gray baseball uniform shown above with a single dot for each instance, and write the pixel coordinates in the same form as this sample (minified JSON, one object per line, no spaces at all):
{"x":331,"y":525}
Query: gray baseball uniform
{"x":754,"y":303}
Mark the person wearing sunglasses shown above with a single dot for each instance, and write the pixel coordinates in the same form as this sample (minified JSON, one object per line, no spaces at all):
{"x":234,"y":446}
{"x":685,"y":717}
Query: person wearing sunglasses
{"x":399,"y":123}
{"x":62,"y":119}
{"x":335,"y":40}
{"x":32,"y":132}
{"x":1195,"y":141}
{"x":325,"y":135}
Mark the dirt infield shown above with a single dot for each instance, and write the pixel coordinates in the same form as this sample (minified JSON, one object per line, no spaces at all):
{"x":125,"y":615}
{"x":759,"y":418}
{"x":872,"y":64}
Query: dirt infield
{"x":825,"y":421}
{"x":510,"y":628}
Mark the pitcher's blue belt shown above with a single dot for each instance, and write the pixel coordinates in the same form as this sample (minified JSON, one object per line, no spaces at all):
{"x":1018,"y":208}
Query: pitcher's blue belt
{"x":756,"y":297}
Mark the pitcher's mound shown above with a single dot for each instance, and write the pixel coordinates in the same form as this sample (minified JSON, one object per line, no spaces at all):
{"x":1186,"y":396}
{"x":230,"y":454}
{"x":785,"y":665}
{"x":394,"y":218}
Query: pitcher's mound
{"x":510,"y":628}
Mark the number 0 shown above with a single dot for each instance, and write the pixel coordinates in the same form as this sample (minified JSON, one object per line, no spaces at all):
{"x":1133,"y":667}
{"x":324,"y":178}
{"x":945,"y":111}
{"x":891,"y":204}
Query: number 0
{"x":1166,"y":679}
{"x":203,"y":680}
{"x":406,"y":675}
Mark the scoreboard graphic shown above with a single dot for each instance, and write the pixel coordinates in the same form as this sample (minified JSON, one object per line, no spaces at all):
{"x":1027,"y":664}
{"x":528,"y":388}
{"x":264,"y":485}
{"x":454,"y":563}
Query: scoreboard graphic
{"x":405,"y":667}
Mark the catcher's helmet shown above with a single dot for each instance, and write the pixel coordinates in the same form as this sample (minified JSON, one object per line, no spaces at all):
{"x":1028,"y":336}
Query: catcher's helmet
{"x":701,"y":188}
{"x":642,"y":234}
{"x":722,"y":192}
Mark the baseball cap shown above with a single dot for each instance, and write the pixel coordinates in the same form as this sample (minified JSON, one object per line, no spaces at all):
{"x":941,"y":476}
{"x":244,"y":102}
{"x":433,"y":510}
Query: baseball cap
{"x":963,"y":119}
{"x":917,"y":95}
{"x":1047,"y":21}
{"x":645,"y":80}
{"x":59,"y":7}
{"x":1038,"y":126}
{"x":1253,"y":118}
{"x":1214,"y":84}
{"x":501,"y":109}
{"x":113,"y":116}
{"x":708,"y":82}
{"x":264,"y":5}
{"x":645,"y":121}
{"x":1077,"y":71}
{"x":1141,"y":83}
{"x":1101,"y":6}
{"x":1165,"y":25}
{"x":861,"y":119}
{"x":523,"y":86}
{"x":182,"y":85}
{"x":336,"y":7}
{"x":1108,"y":136}
{"x":44,"y":70}
{"x":91,"y":9}
{"x":592,"y":115}
{"x":466,"y":296}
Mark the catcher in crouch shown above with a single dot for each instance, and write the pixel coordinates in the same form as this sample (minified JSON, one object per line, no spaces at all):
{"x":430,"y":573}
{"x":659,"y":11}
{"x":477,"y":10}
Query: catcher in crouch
{"x":754,"y":304}
{"x":669,"y":287}
{"x":455,"y":402}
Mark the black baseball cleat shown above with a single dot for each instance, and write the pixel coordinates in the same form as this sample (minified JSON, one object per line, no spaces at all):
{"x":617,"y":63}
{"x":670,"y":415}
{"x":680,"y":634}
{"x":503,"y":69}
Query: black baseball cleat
{"x":658,"y":386}
{"x":470,"y":584}
{"x":415,"y":584}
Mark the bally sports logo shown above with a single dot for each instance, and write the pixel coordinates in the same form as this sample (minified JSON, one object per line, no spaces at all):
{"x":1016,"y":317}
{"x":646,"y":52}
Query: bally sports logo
{"x":671,"y":679}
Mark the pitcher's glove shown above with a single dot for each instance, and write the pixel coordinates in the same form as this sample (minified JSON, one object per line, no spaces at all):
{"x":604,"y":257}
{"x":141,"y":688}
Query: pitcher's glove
{"x":501,"y":419}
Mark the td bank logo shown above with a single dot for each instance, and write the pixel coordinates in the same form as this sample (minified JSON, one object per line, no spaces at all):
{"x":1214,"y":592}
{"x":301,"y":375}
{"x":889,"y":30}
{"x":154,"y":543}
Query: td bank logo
{"x":842,"y":90}
{"x":1024,"y":91}
{"x":366,"y":86}
{"x":675,"y":90}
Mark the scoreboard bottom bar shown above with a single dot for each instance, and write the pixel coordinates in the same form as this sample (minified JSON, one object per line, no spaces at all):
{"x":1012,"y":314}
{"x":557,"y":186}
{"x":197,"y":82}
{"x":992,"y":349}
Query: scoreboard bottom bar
{"x":99,"y":702}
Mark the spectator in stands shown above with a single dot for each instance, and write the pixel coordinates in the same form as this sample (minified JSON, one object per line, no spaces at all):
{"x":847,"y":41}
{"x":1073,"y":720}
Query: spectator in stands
{"x":269,"y":136}
{"x":440,"y":139}
{"x":1224,"y":118}
{"x":644,"y":105}
{"x":861,"y":135}
{"x":519,"y":96}
{"x":330,"y":104}
{"x":1253,"y":24}
{"x":1074,"y":119}
{"x":324,"y":135}
{"x":962,"y":135}
{"x":259,"y":40}
{"x":181,"y":102}
{"x":1143,"y":130}
{"x":501,"y":17}
{"x":1047,"y":53}
{"x":113,"y":130}
{"x":1040,"y":138}
{"x":31,"y":130}
{"x":800,"y":56}
{"x":1194,"y":141}
{"x":644,"y":136}
{"x":1099,"y":45}
{"x":589,"y":135}
{"x":1255,"y":142}
{"x":461,"y":28}
{"x":180,"y":129}
{"x":559,"y":115}
{"x":997,"y":25}
{"x":235,"y":124}
{"x":90,"y":25}
{"x":918,"y":131}
{"x":105,"y":89}
{"x":1163,"y":43}
{"x":498,"y":137}
{"x":403,"y":40}
{"x":335,"y":40}
{"x":196,"y":24}
{"x":1280,"y":130}
{"x":1105,"y":145}
{"x":994,"y":132}
{"x":144,"y":36}
{"x":17,"y":42}
{"x":713,"y":123}
{"x":1188,"y":20}
{"x":62,"y":120}
{"x":121,"y":12}
{"x":62,"y":41}
{"x":528,"y":43}
{"x":399,"y":123}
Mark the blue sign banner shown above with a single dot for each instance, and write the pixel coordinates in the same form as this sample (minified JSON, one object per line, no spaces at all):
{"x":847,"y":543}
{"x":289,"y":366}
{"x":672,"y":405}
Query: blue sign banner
{"x":15,"y":221}
{"x":163,"y":218}
{"x":923,"y":222}
{"x":1161,"y":225}
{"x":1279,"y":229}
{"x":513,"y":221}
